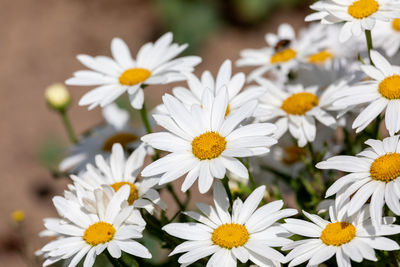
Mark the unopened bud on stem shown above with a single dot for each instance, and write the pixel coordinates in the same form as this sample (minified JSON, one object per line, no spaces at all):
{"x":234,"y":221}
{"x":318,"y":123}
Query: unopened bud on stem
{"x":58,"y":96}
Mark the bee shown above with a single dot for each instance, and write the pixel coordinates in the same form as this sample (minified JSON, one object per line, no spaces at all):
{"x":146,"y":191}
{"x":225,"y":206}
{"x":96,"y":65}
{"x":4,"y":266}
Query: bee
{"x":282,"y":45}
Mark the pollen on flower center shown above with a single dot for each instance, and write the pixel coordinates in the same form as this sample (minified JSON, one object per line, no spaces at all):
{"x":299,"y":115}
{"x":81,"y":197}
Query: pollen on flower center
{"x":300,"y":103}
{"x":320,"y":57}
{"x":283,"y":56}
{"x":338,"y":233}
{"x":99,"y":233}
{"x":386,"y":168}
{"x":134,"y":76}
{"x":363,"y":8}
{"x":390,"y":87}
{"x":396,"y":25}
{"x":122,"y":138}
{"x":230,"y":235}
{"x":208,"y":145}
{"x":133,"y":194}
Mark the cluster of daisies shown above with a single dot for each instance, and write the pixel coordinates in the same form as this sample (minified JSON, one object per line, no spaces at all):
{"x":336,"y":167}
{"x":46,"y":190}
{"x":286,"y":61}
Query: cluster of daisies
{"x":287,"y":117}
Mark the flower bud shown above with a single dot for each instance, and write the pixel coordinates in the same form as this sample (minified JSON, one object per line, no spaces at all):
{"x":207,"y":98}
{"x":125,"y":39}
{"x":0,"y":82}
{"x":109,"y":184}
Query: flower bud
{"x":58,"y":96}
{"x":18,"y":216}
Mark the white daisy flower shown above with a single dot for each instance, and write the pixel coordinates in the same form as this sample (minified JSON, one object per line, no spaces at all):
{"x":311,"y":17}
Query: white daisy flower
{"x":357,"y":15}
{"x":372,"y":174}
{"x":204,"y":143}
{"x":381,"y":92}
{"x":117,"y":172}
{"x":347,"y":237}
{"x":100,"y":140}
{"x":388,"y":36}
{"x":284,"y":52}
{"x":248,"y":234}
{"x":82,"y":233}
{"x":154,"y":64}
{"x":329,"y":47}
{"x":295,"y":109}
{"x":234,"y":84}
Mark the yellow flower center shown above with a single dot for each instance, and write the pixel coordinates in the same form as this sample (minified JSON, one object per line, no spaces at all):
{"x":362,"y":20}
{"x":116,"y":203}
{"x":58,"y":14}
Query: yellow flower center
{"x":396,"y":25}
{"x":283,"y":56}
{"x":390,"y":87}
{"x":134,"y":76}
{"x":386,"y":168}
{"x":230,"y":235}
{"x":338,"y":233}
{"x":99,"y":233}
{"x":363,"y":8}
{"x":293,"y":154}
{"x":320,"y":57}
{"x":122,"y":138}
{"x":18,"y":215}
{"x":133,"y":194}
{"x":299,"y":103}
{"x":208,"y":145}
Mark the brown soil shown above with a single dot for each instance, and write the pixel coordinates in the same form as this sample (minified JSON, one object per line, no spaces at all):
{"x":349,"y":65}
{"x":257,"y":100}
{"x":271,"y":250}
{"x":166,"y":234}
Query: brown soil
{"x":38,"y":44}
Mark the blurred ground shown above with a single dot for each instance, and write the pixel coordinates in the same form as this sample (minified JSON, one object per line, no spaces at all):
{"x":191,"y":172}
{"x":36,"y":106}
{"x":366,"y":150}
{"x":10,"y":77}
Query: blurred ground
{"x":38,"y":43}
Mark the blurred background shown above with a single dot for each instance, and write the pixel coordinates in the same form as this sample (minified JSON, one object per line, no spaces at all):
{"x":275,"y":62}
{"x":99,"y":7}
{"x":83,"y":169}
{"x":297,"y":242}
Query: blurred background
{"x":39,"y":40}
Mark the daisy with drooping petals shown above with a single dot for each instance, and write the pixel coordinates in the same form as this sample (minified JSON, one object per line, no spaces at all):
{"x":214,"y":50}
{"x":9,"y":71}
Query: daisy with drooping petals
{"x":348,"y":237}
{"x":295,"y":109}
{"x":204,"y":142}
{"x":82,"y":233}
{"x":357,"y":15}
{"x":154,"y":64}
{"x":373,"y":174}
{"x":284,"y":52}
{"x":118,"y":171}
{"x":100,"y":140}
{"x":224,"y":79}
{"x":247,"y":235}
{"x":381,"y":92}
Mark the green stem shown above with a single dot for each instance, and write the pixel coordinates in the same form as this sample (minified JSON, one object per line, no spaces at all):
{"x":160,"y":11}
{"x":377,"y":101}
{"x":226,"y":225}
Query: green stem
{"x":225,"y":182}
{"x":145,"y":118}
{"x":393,"y":257}
{"x":177,"y":200}
{"x":68,"y":126}
{"x":312,"y":154}
{"x":376,"y":129}
{"x":115,"y":262}
{"x":368,"y":37}
{"x":251,"y":178}
{"x":147,"y":125}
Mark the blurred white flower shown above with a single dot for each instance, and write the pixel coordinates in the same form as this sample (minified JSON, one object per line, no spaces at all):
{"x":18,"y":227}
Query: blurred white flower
{"x":285,"y":52}
{"x":100,"y":140}
{"x":388,"y":36}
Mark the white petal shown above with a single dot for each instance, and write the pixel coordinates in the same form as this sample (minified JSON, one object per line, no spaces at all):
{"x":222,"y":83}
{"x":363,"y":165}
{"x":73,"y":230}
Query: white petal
{"x":251,"y":204}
